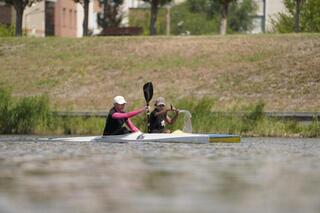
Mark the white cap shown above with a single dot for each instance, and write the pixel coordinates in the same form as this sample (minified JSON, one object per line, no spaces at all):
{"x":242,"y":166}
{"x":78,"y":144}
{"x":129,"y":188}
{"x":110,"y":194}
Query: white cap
{"x":119,"y":100}
{"x":160,"y":101}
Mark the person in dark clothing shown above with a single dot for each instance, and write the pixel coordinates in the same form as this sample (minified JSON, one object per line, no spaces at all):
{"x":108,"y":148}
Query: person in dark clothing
{"x":117,"y":117}
{"x":159,"y":117}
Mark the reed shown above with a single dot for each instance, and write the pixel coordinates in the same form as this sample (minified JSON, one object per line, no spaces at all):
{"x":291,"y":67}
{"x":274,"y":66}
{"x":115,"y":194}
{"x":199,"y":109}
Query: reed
{"x":251,"y":123}
{"x":23,"y":116}
{"x":32,"y":115}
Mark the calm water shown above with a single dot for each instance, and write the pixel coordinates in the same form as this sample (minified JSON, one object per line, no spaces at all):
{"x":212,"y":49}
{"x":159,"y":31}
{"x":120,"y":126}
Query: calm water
{"x":257,"y":175}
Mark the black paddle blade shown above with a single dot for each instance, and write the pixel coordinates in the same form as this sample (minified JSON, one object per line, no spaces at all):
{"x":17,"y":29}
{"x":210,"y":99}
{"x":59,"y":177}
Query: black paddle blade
{"x":148,"y":91}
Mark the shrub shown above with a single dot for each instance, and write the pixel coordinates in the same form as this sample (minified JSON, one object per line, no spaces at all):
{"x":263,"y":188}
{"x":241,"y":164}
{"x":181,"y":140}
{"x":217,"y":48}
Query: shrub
{"x":6,"y":31}
{"x":23,"y":116}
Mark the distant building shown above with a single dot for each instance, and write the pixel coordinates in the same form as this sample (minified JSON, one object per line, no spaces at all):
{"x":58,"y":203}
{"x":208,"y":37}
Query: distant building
{"x":57,"y":18}
{"x":267,"y":9}
{"x":64,"y":18}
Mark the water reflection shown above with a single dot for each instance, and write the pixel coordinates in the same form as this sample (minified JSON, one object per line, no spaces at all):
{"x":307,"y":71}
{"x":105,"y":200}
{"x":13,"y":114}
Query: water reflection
{"x":257,"y":175}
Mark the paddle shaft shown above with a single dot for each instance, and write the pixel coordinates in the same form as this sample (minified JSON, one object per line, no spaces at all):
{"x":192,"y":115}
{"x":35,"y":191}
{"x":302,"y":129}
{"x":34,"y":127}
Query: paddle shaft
{"x":148,"y":93}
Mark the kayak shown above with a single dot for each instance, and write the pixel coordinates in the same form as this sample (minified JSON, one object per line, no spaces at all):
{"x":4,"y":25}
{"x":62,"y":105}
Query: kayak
{"x":175,"y":137}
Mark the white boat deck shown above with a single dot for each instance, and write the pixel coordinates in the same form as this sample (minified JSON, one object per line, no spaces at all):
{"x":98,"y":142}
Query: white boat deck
{"x":147,"y":137}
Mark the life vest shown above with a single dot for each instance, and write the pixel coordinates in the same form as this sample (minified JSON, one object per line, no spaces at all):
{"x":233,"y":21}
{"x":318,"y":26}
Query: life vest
{"x":157,"y":123}
{"x":113,"y":126}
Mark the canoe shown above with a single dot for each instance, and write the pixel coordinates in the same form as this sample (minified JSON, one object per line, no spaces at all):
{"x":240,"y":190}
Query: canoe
{"x":175,"y":137}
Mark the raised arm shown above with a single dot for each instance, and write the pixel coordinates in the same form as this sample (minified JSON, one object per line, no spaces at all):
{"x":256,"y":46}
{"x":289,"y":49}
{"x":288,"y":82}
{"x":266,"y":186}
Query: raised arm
{"x":120,"y":115}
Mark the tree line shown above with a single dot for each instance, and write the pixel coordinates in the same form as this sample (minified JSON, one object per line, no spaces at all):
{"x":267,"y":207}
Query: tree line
{"x":303,"y":14}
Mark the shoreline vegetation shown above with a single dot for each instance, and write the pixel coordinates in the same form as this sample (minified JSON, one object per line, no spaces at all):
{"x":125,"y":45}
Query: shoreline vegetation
{"x":33,"y":115}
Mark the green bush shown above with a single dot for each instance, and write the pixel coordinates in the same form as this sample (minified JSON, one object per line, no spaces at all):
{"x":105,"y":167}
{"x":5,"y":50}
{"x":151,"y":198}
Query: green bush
{"x":196,"y":17}
{"x":282,"y":23}
{"x":7,"y":31}
{"x":31,"y":114}
{"x":312,"y":130}
{"x":5,"y":112}
{"x":25,"y":116}
{"x":184,"y":21}
{"x":309,"y":17}
{"x":74,"y":125}
{"x":141,"y":18}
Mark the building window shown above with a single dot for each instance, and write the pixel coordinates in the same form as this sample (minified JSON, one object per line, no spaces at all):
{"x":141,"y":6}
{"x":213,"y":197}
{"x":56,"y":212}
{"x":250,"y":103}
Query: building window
{"x":63,"y":17}
{"x":70,"y":18}
{"x":75,"y":19}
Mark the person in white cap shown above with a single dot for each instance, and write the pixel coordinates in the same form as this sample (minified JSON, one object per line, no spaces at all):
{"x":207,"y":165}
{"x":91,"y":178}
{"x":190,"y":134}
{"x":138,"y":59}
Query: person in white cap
{"x":159,"y":117}
{"x":117,"y":117}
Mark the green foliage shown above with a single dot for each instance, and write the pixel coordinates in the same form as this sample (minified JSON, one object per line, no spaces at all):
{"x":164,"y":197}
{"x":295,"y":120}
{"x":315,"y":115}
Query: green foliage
{"x":310,"y":17}
{"x":161,"y":2}
{"x":186,"y":19}
{"x":282,"y":23}
{"x":32,"y":115}
{"x":250,"y":120}
{"x":28,"y":115}
{"x":140,"y":17}
{"x":251,"y":123}
{"x":202,"y":17}
{"x":5,"y":113}
{"x":196,"y":17}
{"x":200,"y":6}
{"x":73,"y":125}
{"x":7,"y":31}
{"x":111,"y":15}
{"x":239,"y":19}
{"x":312,"y":130}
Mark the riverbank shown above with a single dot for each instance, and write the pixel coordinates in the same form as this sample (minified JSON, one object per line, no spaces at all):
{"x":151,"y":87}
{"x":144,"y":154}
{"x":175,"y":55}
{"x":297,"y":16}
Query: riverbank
{"x":237,"y":70}
{"x":33,"y":115}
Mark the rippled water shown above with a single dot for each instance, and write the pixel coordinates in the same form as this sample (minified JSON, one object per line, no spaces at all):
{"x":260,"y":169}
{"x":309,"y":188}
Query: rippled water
{"x":257,"y":175}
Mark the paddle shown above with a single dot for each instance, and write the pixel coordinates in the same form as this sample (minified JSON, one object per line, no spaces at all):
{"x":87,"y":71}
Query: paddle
{"x":148,"y":93}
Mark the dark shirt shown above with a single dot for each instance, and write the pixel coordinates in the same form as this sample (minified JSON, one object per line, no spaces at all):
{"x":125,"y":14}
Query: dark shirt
{"x":157,"y":123}
{"x":115,"y":126}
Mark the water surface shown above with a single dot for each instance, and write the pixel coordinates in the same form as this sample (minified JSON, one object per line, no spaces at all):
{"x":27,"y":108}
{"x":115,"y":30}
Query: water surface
{"x":256,"y":175}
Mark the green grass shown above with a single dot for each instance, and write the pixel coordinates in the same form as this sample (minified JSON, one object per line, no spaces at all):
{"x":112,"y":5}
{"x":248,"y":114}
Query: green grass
{"x":32,"y":115}
{"x":27,"y":115}
{"x":87,"y":73}
{"x":251,"y":73}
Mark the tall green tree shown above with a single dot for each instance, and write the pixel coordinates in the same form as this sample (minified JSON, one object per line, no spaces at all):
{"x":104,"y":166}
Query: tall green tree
{"x":224,"y":10}
{"x":310,"y":16}
{"x":85,"y":4}
{"x":240,"y":16}
{"x":111,"y":15}
{"x":233,"y":15}
{"x":297,"y":15}
{"x":301,"y":16}
{"x":19,"y":6}
{"x":154,"y":6}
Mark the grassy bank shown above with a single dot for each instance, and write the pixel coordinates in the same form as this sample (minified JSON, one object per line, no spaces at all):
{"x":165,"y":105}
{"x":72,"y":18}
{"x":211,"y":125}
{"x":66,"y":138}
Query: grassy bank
{"x":239,"y":70}
{"x":32,"y":115}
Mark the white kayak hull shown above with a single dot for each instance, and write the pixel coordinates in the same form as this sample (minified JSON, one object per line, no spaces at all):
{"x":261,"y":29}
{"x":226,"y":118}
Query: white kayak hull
{"x":166,"y":138}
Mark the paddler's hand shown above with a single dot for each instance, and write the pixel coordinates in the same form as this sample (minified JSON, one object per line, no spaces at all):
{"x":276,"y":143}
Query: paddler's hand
{"x":172,"y":108}
{"x":147,"y":108}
